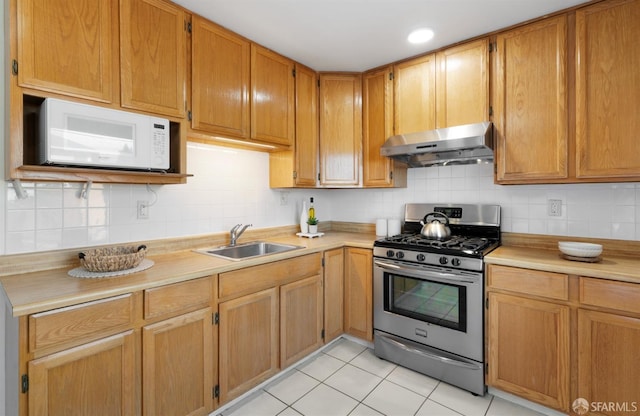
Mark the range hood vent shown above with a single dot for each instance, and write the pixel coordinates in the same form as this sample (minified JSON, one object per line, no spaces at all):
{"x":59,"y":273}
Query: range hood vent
{"x":459,"y":145}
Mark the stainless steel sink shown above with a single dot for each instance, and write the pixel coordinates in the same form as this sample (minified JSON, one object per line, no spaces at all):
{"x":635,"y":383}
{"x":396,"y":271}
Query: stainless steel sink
{"x":248,"y":250}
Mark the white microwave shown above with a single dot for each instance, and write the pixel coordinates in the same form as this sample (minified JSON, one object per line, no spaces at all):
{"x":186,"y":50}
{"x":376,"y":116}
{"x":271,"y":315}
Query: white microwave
{"x":74,"y":134}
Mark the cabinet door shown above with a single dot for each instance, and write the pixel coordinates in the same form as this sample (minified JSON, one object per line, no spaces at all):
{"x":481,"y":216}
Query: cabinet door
{"x":153,"y":56}
{"x":358,"y":293}
{"x":608,"y":90}
{"x":220,"y":80}
{"x":608,"y":360}
{"x":248,"y":335}
{"x":98,"y":378}
{"x":530,"y":103}
{"x":177,"y":365}
{"x":340,"y":129}
{"x":463,"y":84}
{"x":415,"y":95}
{"x":377,"y":126}
{"x":306,"y":147}
{"x":69,"y":47}
{"x":529,"y":349}
{"x":333,"y":294}
{"x":301,"y":309}
{"x":272,"y":97}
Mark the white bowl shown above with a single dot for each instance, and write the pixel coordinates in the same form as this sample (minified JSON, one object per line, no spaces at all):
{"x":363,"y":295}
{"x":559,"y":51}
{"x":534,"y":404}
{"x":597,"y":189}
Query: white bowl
{"x":577,"y":249}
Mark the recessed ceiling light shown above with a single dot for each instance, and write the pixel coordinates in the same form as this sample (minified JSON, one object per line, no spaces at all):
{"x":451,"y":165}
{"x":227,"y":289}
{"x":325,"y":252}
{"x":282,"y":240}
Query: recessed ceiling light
{"x":420,"y":36}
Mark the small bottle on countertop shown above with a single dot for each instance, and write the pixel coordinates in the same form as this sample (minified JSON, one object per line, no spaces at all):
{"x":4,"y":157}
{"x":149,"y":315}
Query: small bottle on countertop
{"x":312,"y":210}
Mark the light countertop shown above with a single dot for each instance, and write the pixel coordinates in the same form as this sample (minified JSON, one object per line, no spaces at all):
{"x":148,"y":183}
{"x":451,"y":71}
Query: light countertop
{"x":44,"y":290}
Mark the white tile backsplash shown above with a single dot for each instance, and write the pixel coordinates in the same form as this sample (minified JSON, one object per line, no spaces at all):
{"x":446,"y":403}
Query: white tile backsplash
{"x":232,"y":186}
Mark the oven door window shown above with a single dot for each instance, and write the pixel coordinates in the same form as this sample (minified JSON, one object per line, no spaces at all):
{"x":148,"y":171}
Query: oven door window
{"x":442,"y":304}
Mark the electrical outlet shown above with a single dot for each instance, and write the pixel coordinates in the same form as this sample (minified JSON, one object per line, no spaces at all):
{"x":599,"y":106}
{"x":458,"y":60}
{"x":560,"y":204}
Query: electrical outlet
{"x":143,"y":210}
{"x":284,"y":198}
{"x":554,"y":207}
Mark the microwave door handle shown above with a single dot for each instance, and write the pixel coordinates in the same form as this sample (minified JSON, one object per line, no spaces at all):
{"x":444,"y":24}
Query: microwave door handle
{"x":421,"y":273}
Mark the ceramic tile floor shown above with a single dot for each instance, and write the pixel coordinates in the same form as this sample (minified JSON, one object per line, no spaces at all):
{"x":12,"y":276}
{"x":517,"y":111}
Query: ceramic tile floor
{"x":346,"y":378}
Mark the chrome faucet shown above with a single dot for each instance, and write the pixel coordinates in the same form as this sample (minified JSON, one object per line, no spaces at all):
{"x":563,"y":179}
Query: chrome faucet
{"x":235,"y":234}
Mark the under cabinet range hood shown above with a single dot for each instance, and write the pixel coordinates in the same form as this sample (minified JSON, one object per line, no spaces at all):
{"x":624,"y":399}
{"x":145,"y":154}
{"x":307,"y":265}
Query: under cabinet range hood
{"x":458,"y":145}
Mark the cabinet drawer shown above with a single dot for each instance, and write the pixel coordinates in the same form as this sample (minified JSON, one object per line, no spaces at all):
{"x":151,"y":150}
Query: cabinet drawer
{"x":529,"y":282}
{"x":610,"y":294}
{"x":256,"y":278}
{"x":177,"y":298}
{"x":84,"y":322}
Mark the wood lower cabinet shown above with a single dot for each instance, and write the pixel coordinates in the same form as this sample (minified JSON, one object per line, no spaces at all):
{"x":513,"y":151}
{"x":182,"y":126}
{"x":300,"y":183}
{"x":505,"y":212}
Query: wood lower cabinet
{"x":529,"y":349}
{"x":98,"y":378}
{"x":249,"y":335}
{"x":301,"y":319}
{"x":177,"y":365}
{"x":333,"y":294}
{"x":358,"y":293}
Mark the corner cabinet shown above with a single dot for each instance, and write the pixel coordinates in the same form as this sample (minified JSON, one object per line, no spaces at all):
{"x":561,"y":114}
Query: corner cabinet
{"x":377,"y":127}
{"x":333,"y":294}
{"x":340,"y":130}
{"x":272,"y":97}
{"x":153,"y":59}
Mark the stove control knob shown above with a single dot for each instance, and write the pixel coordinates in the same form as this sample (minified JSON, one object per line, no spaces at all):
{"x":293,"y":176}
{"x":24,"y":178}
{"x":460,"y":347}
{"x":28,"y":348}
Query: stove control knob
{"x":421,"y":257}
{"x":455,"y":262}
{"x":390,"y":253}
{"x":400,"y":254}
{"x":443,"y":260}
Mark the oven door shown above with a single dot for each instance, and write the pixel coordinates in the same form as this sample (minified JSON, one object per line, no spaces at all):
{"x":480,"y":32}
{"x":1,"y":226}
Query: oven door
{"x":433,"y":306}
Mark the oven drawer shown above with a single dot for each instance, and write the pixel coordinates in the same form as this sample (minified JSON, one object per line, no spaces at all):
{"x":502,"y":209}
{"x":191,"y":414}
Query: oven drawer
{"x":529,"y":282}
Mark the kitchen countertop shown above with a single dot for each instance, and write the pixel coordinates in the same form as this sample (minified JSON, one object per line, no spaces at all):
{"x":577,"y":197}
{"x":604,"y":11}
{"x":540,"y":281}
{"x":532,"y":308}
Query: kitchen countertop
{"x":44,"y":290}
{"x":624,"y":269}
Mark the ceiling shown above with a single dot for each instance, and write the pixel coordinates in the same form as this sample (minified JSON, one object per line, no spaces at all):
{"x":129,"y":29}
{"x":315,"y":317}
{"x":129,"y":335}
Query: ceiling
{"x":356,"y":35}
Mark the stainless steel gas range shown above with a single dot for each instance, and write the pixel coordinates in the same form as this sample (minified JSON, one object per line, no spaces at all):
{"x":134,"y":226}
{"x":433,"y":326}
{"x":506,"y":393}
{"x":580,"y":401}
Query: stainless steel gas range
{"x":428,"y":293}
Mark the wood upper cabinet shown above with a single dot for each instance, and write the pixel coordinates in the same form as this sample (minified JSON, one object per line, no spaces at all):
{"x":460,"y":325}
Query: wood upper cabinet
{"x":69,"y":47}
{"x":298,"y":167}
{"x":415,"y":95}
{"x":358,"y":293}
{"x":249,"y":336}
{"x":177,"y":365}
{"x":608,"y":90}
{"x":220,"y":74}
{"x":340,"y":129}
{"x":153,"y":57}
{"x":272,"y":97}
{"x":98,"y":378}
{"x":530,"y":102}
{"x":301,"y":309}
{"x":377,"y":127}
{"x":462,"y":84}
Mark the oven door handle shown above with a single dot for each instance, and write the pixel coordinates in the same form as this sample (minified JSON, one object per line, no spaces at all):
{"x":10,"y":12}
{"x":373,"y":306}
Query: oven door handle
{"x":431,"y":356}
{"x":423,"y":274}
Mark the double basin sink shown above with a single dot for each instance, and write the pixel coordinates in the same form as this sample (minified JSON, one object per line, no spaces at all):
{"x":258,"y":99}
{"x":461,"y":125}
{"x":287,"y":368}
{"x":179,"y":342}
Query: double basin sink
{"x":248,"y":250}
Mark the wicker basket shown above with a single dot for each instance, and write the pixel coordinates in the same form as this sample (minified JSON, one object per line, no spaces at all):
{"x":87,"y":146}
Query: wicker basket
{"x":112,"y":259}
